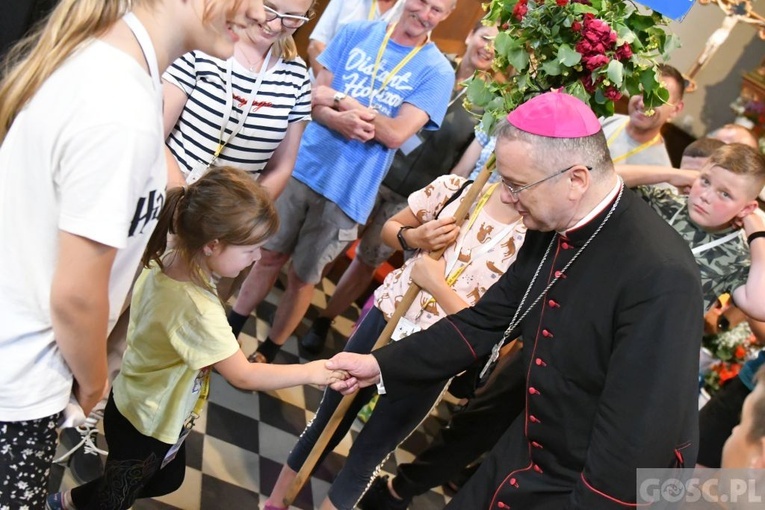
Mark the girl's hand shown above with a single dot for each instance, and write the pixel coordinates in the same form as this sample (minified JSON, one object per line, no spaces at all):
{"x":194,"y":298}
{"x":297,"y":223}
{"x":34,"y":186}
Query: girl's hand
{"x":429,"y":273}
{"x":319,"y":374}
{"x":435,"y":234}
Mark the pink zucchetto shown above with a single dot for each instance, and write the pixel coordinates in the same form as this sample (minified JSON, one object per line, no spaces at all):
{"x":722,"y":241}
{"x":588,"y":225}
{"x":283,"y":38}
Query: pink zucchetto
{"x":556,"y":115}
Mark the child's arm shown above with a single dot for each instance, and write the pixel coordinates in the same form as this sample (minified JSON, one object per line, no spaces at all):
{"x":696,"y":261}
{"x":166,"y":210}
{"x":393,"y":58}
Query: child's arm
{"x":639,"y":175}
{"x":431,"y":235}
{"x":429,"y":275}
{"x":750,"y":297}
{"x":264,"y":376}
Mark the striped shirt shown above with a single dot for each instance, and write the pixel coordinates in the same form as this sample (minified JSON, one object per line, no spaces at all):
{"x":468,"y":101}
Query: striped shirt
{"x":284,"y":97}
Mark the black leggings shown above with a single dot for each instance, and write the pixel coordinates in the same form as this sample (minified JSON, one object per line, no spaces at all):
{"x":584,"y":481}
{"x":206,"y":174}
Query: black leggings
{"x":132,"y":467}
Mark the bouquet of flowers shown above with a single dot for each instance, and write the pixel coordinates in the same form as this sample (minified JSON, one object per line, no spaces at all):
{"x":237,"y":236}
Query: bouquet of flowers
{"x":751,"y":109}
{"x":596,"y":50}
{"x":729,"y":351}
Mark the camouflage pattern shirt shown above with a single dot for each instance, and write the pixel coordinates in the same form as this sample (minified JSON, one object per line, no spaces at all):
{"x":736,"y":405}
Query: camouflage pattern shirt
{"x":723,"y":267}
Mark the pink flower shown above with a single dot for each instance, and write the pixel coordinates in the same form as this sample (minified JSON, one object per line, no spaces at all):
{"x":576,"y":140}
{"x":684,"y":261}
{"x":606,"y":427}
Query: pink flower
{"x":561,"y":3}
{"x":596,"y":30}
{"x":590,"y":85}
{"x":592,"y":62}
{"x":624,"y":52}
{"x":612,"y":94}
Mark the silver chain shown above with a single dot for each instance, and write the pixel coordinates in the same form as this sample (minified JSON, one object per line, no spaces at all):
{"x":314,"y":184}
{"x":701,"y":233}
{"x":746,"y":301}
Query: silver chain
{"x":515,"y":320}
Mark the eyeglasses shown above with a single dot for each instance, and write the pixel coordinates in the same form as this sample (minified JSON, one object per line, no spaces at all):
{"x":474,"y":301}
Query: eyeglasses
{"x":517,"y":191}
{"x":288,"y":20}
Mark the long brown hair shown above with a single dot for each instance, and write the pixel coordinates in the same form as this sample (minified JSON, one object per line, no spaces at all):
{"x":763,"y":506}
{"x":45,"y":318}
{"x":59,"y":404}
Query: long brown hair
{"x":226,"y":204}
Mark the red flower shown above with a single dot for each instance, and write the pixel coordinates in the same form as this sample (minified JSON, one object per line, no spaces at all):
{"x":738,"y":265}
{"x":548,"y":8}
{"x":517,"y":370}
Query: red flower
{"x":520,"y":9}
{"x":598,"y":31}
{"x":740,"y":352}
{"x":624,"y":52}
{"x":561,"y":3}
{"x":587,"y":48}
{"x":612,"y":94}
{"x":592,"y":62}
{"x":590,"y":85}
{"x":576,"y":26}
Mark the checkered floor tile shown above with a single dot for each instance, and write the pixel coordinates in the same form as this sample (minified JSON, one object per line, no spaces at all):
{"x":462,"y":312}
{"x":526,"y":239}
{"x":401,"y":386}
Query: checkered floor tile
{"x":240,"y":442}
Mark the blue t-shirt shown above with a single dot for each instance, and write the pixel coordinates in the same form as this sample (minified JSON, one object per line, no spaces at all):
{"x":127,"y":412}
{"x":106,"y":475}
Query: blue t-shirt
{"x":750,"y":368}
{"x":349,"y":172}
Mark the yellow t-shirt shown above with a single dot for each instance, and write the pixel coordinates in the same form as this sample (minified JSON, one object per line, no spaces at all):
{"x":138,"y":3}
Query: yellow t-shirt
{"x":176,"y":329}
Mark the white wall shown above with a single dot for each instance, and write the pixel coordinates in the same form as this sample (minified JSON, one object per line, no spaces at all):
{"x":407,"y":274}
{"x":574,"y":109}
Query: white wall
{"x":719,"y":82}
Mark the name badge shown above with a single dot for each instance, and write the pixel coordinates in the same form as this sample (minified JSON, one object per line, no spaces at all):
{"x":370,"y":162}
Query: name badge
{"x":198,"y":171}
{"x":404,"y":328}
{"x":173,"y":451}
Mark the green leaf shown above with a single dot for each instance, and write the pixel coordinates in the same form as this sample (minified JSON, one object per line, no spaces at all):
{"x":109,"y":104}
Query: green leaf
{"x":671,"y":44}
{"x":577,"y":90}
{"x":615,"y":72}
{"x":641,"y":22}
{"x":519,"y":59}
{"x":599,"y":97}
{"x":478,"y":92}
{"x":568,"y":56}
{"x":503,"y":43}
{"x":551,"y":67}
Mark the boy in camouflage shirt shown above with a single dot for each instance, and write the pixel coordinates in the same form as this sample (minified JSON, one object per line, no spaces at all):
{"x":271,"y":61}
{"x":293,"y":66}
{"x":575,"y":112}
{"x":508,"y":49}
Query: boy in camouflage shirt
{"x":723,"y":197}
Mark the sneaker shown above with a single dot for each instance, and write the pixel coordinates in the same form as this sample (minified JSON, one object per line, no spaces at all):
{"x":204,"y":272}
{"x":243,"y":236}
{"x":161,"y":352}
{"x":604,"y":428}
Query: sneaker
{"x":378,"y":497}
{"x":314,"y":340}
{"x":83,"y":457}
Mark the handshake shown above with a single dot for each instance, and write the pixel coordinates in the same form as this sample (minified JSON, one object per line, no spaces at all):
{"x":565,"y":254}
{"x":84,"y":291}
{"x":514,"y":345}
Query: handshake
{"x":347,"y":372}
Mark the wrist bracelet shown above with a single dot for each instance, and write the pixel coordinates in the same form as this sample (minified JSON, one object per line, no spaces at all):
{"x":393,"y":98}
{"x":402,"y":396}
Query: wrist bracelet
{"x":401,"y":240}
{"x":755,"y":235}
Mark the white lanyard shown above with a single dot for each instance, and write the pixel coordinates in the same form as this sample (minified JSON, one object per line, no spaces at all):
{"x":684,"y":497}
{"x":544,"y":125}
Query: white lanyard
{"x":144,"y":41}
{"x":698,"y":250}
{"x":230,"y":102}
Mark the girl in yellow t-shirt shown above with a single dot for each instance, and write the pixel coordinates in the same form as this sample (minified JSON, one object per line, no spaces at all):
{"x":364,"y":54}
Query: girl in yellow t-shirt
{"x":178,"y":332}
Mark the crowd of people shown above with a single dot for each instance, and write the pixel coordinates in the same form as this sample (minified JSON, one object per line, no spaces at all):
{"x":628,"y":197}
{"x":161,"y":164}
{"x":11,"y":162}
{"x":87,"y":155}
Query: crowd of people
{"x":566,"y":306}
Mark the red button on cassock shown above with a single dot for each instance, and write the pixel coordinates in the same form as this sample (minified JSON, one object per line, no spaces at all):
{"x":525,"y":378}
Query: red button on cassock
{"x":553,"y":304}
{"x":536,"y":445}
{"x":540,"y":362}
{"x":546,"y":334}
{"x":533,"y":391}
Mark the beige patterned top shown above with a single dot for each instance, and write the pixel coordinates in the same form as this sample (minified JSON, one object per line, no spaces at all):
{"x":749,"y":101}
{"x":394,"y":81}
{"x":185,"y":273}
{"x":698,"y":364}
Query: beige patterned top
{"x":483,"y":269}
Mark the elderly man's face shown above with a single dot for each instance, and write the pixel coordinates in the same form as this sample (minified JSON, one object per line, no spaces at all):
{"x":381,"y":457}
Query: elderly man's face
{"x":540,"y":205}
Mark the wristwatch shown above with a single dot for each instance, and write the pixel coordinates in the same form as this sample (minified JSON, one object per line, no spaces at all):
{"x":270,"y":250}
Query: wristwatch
{"x":401,"y":239}
{"x":339,"y":96}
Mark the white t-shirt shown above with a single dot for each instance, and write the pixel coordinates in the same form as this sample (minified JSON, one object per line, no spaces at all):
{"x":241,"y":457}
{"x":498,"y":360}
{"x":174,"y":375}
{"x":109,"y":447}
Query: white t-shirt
{"x":341,"y":12}
{"x":284,"y":97}
{"x":85,"y":156}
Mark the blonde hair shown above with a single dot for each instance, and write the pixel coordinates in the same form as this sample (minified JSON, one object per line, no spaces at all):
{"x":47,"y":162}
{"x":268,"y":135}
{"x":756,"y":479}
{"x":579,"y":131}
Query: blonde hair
{"x":226,"y":204}
{"x":70,"y":25}
{"x":286,"y":46}
{"x":37,"y":56}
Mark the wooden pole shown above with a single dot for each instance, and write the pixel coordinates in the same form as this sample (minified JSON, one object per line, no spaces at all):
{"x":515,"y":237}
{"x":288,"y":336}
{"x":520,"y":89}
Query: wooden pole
{"x":305,"y":471}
